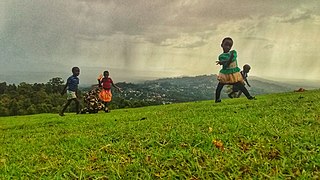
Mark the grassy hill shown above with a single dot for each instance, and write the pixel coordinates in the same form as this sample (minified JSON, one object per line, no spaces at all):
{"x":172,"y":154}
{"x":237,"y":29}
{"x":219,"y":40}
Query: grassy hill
{"x":276,"y":136}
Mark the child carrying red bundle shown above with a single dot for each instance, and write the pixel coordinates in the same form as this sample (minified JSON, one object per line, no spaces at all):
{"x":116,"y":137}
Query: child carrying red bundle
{"x":105,"y":95}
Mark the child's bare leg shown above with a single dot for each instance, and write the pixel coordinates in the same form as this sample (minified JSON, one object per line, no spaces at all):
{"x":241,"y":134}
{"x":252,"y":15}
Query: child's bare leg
{"x":239,"y":94}
{"x":231,"y":95}
{"x":218,"y":91}
{"x":65,"y":107}
{"x":77,"y":105}
{"x":244,"y":90}
{"x":106,"y":108}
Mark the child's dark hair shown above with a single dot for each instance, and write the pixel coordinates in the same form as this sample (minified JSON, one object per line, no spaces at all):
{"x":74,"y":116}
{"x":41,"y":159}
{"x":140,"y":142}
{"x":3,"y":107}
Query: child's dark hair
{"x":105,"y":72}
{"x":75,"y":69}
{"x":227,"y":38}
{"x":247,"y":66}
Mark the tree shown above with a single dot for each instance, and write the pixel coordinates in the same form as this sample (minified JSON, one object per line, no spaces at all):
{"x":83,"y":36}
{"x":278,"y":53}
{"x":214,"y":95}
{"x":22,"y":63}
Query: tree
{"x":32,"y":109}
{"x":31,"y":98}
{"x":4,"y":111}
{"x":25,"y":89}
{"x":55,"y":85}
{"x":13,"y":108}
{"x":38,"y":86}
{"x":3,"y":87}
{"x":11,"y":89}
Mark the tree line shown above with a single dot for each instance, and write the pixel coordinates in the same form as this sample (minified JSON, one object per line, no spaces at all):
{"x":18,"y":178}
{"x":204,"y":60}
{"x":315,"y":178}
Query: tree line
{"x":25,"y":98}
{"x":34,"y":98}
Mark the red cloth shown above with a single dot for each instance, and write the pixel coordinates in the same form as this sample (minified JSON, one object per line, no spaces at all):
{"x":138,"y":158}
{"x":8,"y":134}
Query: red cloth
{"x":105,"y":95}
{"x":106,"y":83}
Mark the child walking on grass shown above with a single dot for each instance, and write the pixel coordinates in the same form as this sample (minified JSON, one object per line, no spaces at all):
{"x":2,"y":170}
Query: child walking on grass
{"x":105,"y":95}
{"x":244,"y":73}
{"x":71,"y":88}
{"x":230,"y":72}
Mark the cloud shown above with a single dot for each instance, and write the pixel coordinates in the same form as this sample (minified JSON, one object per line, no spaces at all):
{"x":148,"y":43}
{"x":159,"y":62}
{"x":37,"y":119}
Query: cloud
{"x":36,"y":30}
{"x":156,"y":20}
{"x":160,"y":20}
{"x":154,"y":34}
{"x":185,"y":41}
{"x":256,"y":38}
{"x":268,"y":46}
{"x":296,"y":16}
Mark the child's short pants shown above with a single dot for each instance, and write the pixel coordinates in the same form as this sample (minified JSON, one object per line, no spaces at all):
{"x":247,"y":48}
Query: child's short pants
{"x":71,"y":95}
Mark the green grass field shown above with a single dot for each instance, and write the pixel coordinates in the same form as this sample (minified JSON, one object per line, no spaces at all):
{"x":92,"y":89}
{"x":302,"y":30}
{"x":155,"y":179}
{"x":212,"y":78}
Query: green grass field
{"x":276,"y":136}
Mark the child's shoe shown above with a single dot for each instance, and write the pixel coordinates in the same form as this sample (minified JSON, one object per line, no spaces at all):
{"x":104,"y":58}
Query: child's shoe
{"x":252,"y":98}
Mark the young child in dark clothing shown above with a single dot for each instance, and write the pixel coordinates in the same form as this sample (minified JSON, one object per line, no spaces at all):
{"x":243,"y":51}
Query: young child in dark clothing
{"x":71,"y":88}
{"x":235,"y":90}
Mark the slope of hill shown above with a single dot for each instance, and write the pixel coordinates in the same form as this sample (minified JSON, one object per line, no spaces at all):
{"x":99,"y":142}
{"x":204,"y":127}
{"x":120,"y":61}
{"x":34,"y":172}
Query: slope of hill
{"x":289,"y":84}
{"x":276,"y":136}
{"x":186,"y":89}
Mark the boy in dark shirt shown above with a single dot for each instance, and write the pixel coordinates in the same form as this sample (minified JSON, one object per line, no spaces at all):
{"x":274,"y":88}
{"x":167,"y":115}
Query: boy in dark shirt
{"x":235,"y":90}
{"x":71,"y":88}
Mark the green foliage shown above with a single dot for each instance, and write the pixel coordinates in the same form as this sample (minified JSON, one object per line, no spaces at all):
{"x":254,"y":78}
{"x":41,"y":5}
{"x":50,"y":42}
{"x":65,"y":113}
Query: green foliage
{"x":274,"y":137}
{"x":31,"y":98}
{"x":3,"y":87}
{"x":55,"y":85}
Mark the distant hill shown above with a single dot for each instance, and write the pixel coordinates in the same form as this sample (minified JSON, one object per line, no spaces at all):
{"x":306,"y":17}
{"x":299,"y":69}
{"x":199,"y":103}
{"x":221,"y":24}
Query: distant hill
{"x":264,"y":86}
{"x":185,"y":89}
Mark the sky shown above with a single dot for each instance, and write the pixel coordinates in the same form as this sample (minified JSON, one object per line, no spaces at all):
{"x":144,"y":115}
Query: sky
{"x":148,"y":39}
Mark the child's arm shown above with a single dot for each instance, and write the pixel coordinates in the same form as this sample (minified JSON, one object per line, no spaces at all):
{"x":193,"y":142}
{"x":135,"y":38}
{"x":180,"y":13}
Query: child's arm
{"x":119,"y":89}
{"x":99,"y":83}
{"x":99,"y":80}
{"x":220,"y":62}
{"x":245,"y":77}
{"x":228,"y":62}
{"x":64,"y":89}
{"x":247,"y":82}
{"x":77,"y":93}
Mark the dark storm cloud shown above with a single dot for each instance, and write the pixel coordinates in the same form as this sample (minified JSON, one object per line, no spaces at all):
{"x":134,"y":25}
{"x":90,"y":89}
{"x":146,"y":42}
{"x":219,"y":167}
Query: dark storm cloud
{"x":55,"y":26}
{"x":163,"y":19}
{"x":37,"y":30}
{"x":51,"y":34}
